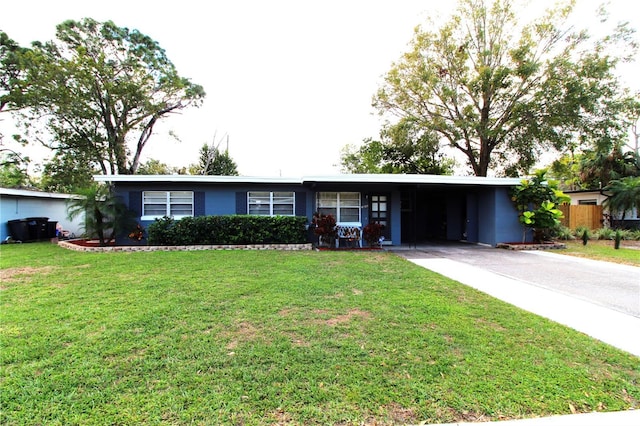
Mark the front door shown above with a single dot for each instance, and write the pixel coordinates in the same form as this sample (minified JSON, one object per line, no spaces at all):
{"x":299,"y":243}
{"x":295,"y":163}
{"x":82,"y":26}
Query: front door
{"x":379,"y":211}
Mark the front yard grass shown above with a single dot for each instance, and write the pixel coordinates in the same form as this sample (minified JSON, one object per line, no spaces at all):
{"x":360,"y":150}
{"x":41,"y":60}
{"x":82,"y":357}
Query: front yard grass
{"x":271,"y":337}
{"x":628,"y":253}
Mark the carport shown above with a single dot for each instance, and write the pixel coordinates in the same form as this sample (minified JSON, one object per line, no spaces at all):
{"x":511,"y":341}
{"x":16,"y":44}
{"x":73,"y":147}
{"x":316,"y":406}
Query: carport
{"x":433,"y":207}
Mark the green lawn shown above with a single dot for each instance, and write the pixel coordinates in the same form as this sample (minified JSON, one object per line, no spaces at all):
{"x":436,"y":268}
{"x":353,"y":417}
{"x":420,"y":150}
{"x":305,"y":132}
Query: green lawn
{"x":628,"y":253}
{"x":269,"y":337}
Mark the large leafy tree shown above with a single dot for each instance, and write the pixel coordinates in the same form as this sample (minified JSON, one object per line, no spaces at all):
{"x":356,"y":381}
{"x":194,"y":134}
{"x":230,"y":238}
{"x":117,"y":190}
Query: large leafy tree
{"x":157,"y":167}
{"x":215,"y":161}
{"x":602,"y":160}
{"x":404,"y":147}
{"x":11,"y":71}
{"x":68,"y":172}
{"x":12,"y":162}
{"x":100,"y":89}
{"x":500,"y":90}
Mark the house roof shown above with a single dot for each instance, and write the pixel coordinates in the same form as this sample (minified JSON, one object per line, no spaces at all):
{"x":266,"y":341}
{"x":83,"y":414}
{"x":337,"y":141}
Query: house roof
{"x":194,"y":179}
{"x":35,"y":194}
{"x":341,"y":178}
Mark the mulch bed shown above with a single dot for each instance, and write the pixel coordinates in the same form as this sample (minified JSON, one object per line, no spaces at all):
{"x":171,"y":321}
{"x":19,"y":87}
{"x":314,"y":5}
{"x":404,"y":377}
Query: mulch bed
{"x":90,"y":243}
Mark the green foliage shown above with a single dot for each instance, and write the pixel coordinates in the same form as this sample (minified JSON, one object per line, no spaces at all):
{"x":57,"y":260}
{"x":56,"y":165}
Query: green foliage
{"x":11,"y":73}
{"x":99,"y":90}
{"x":227,"y":229}
{"x":536,"y":200}
{"x":404,"y":148}
{"x":617,"y":239}
{"x":156,"y":167}
{"x":562,"y":232}
{"x":502,"y":97}
{"x":622,"y":196}
{"x":604,"y":234}
{"x":368,"y":158}
{"x":68,"y":172}
{"x":13,"y":172}
{"x":105,"y":214}
{"x":215,"y":162}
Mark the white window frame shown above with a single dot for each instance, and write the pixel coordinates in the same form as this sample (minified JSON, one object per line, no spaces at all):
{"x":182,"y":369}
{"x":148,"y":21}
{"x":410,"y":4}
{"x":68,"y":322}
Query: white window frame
{"x":167,"y":203}
{"x":338,"y":203}
{"x":273,"y":199}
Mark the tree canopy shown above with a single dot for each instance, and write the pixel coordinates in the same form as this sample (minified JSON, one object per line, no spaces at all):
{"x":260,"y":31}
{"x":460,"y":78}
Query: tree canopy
{"x":214,"y":161}
{"x":98,"y":91}
{"x":403,"y":147}
{"x":501,"y":89}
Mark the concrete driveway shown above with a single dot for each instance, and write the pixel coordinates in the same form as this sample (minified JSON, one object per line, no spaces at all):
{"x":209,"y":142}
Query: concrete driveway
{"x":598,"y":298}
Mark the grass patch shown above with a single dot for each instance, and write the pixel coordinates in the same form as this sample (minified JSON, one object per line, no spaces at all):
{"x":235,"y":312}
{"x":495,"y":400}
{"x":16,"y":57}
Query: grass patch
{"x":266,"y":337}
{"x":628,"y":253}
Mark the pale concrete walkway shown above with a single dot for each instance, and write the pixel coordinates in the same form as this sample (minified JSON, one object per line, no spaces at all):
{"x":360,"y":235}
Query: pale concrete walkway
{"x":608,"y":325}
{"x":604,"y":321}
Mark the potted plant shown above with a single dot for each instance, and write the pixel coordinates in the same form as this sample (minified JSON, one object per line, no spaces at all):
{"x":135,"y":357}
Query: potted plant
{"x":372,"y":234}
{"x":324,"y":226}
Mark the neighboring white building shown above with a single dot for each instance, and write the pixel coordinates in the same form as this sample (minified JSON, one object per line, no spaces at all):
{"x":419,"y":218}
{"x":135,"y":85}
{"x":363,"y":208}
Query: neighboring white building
{"x":586,"y":197}
{"x":17,"y":204}
{"x":596,"y":198}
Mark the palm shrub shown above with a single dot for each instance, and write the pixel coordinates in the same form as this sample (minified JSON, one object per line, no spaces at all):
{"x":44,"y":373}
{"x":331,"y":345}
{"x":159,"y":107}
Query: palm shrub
{"x":623,"y":196}
{"x":605,"y":233}
{"x":562,"y":232}
{"x":105,"y":214}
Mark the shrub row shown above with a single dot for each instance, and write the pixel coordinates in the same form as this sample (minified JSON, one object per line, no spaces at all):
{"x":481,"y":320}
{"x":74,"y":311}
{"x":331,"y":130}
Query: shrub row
{"x":229,"y":229}
{"x":564,"y":233}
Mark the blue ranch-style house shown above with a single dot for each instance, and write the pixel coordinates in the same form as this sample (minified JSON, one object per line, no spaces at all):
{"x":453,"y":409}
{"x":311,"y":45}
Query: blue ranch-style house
{"x":412,"y":208}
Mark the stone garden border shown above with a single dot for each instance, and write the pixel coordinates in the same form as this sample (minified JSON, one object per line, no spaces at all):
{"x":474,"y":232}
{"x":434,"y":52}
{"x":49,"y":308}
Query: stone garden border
{"x":287,"y":247}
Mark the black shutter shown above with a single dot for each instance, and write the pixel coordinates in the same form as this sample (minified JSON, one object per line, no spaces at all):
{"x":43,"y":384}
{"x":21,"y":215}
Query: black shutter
{"x":241,"y":203}
{"x":198,"y":204}
{"x":301,"y":204}
{"x":135,"y":202}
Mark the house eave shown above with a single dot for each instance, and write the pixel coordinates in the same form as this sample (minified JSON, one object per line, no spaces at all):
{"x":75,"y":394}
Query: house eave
{"x":194,"y":179}
{"x":406,"y":179}
{"x":35,"y":194}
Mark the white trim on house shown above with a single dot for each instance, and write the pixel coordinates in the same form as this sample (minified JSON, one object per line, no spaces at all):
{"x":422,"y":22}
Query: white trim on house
{"x":577,"y":196}
{"x":343,"y":178}
{"x":413,"y":179}
{"x":194,"y":179}
{"x":36,"y":194}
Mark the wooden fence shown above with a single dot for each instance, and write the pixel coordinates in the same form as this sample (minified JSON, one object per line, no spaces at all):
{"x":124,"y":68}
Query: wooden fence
{"x":582,"y":215}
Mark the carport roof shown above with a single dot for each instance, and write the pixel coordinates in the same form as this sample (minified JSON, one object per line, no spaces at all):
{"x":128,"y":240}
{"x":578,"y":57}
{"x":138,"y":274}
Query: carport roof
{"x":27,"y":193}
{"x":411,"y":179}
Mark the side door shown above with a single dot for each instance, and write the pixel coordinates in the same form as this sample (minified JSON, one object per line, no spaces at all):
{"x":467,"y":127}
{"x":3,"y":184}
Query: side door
{"x":380,"y":211}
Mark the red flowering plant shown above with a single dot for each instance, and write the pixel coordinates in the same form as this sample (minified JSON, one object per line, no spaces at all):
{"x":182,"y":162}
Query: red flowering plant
{"x":324,"y":226}
{"x":372,"y":234}
{"x":137,"y":234}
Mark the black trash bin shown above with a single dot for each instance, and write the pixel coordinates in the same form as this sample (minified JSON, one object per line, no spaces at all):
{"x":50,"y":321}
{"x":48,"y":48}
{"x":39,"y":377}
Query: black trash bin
{"x":52,"y":229}
{"x":37,"y":227}
{"x":19,"y":230}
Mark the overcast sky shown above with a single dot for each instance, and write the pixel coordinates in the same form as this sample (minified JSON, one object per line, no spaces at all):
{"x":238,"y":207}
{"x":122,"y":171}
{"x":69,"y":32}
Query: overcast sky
{"x":290,"y":82}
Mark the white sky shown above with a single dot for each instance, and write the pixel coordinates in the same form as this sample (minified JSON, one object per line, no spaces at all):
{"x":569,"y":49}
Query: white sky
{"x":290,"y":82}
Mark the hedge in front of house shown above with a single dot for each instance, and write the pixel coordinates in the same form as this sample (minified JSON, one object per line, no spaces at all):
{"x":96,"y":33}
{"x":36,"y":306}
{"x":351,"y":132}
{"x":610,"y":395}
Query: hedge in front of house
{"x":228,"y":229}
